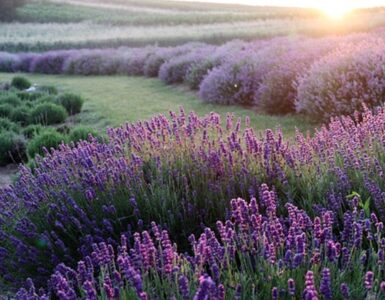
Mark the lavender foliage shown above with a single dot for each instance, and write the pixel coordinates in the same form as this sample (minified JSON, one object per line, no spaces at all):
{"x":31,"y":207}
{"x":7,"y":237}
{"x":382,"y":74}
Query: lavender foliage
{"x":179,"y":172}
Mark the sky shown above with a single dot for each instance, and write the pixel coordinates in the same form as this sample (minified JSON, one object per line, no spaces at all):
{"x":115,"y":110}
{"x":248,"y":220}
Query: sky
{"x":305,"y":3}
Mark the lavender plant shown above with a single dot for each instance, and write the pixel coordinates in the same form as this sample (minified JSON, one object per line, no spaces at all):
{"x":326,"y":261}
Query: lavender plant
{"x":162,"y":55}
{"x":7,"y":61}
{"x":343,"y":81}
{"x":198,"y":71}
{"x":277,"y":92}
{"x":134,"y":60}
{"x":257,"y":254}
{"x":92,"y":62}
{"x":49,"y":63}
{"x":237,"y":81}
{"x":179,"y":172}
{"x":176,"y":69}
{"x":320,"y":77}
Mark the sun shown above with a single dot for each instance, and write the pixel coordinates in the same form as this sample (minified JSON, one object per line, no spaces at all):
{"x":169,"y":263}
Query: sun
{"x":336,"y":9}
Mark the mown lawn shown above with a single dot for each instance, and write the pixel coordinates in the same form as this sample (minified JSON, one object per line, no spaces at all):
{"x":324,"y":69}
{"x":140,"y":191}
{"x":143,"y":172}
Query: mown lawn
{"x":113,"y":100}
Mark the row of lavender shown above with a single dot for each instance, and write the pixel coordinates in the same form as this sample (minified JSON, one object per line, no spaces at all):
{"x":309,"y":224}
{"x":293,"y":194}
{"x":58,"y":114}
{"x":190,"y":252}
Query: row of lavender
{"x":180,"y":173}
{"x":255,"y":256}
{"x":319,"y":77}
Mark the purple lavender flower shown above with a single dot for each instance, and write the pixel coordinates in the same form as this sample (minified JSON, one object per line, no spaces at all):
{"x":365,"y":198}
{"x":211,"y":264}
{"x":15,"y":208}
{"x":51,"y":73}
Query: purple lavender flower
{"x":291,"y":287}
{"x":345,"y":291}
{"x":325,"y":288}
{"x":274,"y":294}
{"x":310,"y":291}
{"x":184,"y":288}
{"x":205,"y":286}
{"x":368,"y":282}
{"x":382,"y":286}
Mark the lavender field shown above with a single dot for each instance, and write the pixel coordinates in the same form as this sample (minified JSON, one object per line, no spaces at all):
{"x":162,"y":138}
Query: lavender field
{"x":188,"y":194}
{"x":318,"y":77}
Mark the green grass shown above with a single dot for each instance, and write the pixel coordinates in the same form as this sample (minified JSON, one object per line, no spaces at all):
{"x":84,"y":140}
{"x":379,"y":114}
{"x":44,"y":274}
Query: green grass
{"x":113,"y":100}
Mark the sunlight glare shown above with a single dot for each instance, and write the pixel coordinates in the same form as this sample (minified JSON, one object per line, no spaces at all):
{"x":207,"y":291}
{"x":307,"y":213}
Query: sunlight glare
{"x":336,"y":9}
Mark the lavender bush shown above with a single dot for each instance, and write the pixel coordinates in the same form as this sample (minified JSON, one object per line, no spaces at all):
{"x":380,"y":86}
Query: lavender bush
{"x":7,"y":61}
{"x":224,"y":84}
{"x":343,"y":81}
{"x":277,"y":91}
{"x":23,"y":64}
{"x":133,"y":61}
{"x":161,"y":55}
{"x":237,"y":81}
{"x":48,"y":63}
{"x":198,"y":71}
{"x":180,"y":172}
{"x":92,"y":62}
{"x":280,"y":75}
{"x":155,"y":60}
{"x":258,"y":254}
{"x":176,"y":69}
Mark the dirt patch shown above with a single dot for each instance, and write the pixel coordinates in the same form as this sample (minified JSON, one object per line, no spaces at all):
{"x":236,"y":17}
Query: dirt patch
{"x":6,"y":174}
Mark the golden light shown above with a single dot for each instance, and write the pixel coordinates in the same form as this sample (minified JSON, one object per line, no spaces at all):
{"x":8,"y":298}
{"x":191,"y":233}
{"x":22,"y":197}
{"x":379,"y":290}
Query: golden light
{"x":336,"y":9}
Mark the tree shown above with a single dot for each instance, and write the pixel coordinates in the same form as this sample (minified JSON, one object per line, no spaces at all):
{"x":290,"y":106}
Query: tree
{"x":8,"y":9}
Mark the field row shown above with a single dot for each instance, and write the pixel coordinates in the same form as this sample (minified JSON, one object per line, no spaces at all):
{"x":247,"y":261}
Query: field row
{"x":145,"y":15}
{"x":321,"y":78}
{"x":45,"y":36}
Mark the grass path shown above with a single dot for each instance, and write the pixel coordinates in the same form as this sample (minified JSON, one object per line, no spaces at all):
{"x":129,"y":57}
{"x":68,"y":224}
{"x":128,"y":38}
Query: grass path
{"x":113,"y":100}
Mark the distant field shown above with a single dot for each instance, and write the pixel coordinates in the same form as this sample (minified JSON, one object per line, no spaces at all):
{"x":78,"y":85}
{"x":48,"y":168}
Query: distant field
{"x":114,"y":100}
{"x":46,"y":25}
{"x":131,"y":14}
{"x":37,"y":36}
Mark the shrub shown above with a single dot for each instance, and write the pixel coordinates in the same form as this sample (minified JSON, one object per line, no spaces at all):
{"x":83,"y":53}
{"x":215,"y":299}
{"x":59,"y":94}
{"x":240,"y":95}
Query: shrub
{"x":5,"y":110}
{"x":5,"y":86}
{"x":237,"y":80}
{"x":277,"y":91}
{"x":21,"y":83}
{"x":50,"y":62}
{"x":49,"y":89}
{"x":155,"y":60}
{"x":235,"y":253}
{"x":198,"y":71}
{"x":32,"y":130}
{"x":71,"y":102}
{"x":7,"y":62}
{"x":23,"y":63}
{"x":21,"y":115}
{"x":232,"y":83}
{"x":175,"y":69}
{"x":12,"y":148}
{"x":10,"y":99}
{"x":182,"y":172}
{"x":81,"y":133}
{"x":63,"y":129}
{"x":30,"y":96}
{"x":161,"y":55}
{"x":48,"y":139}
{"x":92,"y":62}
{"x":45,"y":99}
{"x":48,"y":114}
{"x":8,"y":125}
{"x":344,"y":81}
{"x":132,"y":62}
